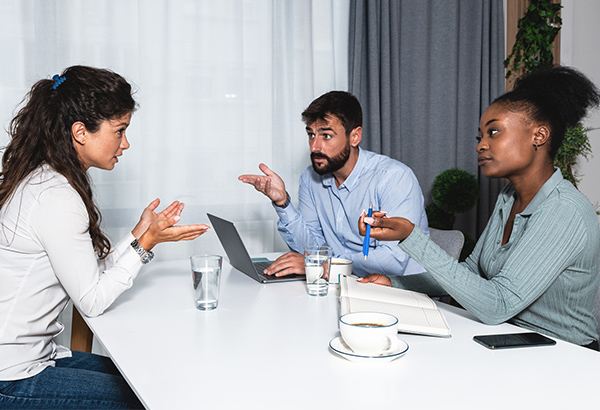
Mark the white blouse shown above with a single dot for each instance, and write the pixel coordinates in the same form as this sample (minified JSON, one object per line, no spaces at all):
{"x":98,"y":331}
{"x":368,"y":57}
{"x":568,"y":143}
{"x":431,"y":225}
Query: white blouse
{"x":47,"y":257}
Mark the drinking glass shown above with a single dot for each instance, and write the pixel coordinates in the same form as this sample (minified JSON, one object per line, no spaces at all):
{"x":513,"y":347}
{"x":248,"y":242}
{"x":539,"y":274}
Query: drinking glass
{"x":317,"y":263}
{"x":206,"y":277}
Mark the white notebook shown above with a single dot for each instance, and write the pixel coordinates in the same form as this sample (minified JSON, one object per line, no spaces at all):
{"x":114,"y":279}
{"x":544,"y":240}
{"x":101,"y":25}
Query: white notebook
{"x":416,"y":312}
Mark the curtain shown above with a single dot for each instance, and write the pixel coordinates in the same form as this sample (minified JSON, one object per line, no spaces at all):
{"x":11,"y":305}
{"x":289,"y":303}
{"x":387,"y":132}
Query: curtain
{"x":424,"y":72}
{"x":220,"y":86}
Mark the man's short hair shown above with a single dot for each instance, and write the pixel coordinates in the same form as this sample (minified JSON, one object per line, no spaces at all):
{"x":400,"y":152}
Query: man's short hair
{"x":342,"y":104}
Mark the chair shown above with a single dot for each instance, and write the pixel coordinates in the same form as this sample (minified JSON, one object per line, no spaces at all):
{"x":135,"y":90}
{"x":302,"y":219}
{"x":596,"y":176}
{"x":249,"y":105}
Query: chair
{"x":451,"y":241}
{"x":81,"y":335}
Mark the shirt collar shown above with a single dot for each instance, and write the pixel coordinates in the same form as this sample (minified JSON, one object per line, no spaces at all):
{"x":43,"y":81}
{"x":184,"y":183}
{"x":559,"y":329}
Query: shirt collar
{"x":544,"y":192}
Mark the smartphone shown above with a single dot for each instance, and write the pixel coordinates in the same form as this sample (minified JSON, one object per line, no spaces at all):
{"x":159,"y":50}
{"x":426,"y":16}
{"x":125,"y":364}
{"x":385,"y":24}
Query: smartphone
{"x":511,"y":340}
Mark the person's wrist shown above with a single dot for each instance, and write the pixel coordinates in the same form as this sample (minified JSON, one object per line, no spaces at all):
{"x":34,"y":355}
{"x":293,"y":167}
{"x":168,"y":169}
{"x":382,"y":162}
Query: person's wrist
{"x":285,"y":203}
{"x":137,"y":231}
{"x":146,"y":241}
{"x":145,"y":255}
{"x":407,"y":229}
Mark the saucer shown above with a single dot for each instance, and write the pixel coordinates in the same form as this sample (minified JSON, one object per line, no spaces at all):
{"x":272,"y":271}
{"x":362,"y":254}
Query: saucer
{"x":338,"y":346}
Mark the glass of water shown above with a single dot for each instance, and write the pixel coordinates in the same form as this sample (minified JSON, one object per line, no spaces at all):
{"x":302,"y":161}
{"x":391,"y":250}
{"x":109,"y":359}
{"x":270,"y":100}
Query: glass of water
{"x":317,"y":262}
{"x":206,"y":277}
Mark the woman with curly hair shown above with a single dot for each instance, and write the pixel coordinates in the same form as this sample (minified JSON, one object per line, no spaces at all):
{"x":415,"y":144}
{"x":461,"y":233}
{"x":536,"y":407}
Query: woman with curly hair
{"x":536,"y":263}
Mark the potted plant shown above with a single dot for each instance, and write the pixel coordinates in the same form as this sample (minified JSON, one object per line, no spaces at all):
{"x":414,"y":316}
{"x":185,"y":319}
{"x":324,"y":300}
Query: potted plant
{"x":453,"y":191}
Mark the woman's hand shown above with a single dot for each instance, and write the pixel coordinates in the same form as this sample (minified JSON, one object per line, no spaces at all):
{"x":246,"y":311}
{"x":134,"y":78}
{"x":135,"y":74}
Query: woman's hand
{"x":149,"y":216}
{"x":384,"y":228}
{"x":154,"y":228}
{"x":164,"y":230}
{"x":377,"y":279}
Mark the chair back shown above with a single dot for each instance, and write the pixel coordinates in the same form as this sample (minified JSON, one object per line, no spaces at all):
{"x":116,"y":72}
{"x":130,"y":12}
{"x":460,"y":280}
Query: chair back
{"x":451,"y":241}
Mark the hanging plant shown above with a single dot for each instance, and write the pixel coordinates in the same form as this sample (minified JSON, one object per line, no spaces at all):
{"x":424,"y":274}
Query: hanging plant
{"x":533,"y":43}
{"x":533,"y":49}
{"x":576,"y":143}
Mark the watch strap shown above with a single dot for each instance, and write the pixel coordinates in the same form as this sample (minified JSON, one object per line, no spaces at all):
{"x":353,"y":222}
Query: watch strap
{"x":145,"y":256}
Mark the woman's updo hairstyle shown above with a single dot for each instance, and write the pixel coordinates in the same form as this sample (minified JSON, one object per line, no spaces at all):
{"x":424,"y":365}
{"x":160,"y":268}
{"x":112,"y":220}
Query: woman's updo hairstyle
{"x":558,"y":96}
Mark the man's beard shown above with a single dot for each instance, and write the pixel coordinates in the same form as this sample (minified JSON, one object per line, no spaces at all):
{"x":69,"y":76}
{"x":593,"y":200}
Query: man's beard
{"x":332,"y":164}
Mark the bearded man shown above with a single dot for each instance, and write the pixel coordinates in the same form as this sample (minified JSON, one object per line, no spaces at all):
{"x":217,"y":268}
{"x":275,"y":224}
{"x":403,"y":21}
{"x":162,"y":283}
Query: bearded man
{"x":343,"y":181}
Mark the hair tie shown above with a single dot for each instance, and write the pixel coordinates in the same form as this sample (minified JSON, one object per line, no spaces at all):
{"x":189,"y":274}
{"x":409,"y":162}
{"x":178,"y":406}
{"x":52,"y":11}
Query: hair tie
{"x":57,"y":81}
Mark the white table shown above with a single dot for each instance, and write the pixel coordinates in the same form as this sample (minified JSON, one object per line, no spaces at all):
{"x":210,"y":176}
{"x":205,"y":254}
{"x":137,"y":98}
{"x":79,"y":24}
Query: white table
{"x":266,"y":346}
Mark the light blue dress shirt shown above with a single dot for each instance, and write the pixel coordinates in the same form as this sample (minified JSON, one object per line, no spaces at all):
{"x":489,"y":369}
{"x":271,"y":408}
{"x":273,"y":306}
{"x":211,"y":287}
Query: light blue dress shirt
{"x":545,"y":278}
{"x":329,"y":214}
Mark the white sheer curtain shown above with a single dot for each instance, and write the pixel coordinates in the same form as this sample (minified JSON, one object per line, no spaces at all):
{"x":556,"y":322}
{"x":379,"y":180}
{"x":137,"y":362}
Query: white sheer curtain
{"x":221,"y":85}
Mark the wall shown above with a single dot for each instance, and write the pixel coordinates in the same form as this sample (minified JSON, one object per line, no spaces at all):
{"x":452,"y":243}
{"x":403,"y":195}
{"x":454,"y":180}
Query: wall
{"x":580,"y":34}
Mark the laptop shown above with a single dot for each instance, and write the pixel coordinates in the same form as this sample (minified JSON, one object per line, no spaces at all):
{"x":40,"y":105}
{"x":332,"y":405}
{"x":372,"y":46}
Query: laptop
{"x":238,"y":255}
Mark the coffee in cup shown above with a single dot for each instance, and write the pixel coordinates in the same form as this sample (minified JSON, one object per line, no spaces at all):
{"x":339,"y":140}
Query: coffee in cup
{"x":370,"y":333}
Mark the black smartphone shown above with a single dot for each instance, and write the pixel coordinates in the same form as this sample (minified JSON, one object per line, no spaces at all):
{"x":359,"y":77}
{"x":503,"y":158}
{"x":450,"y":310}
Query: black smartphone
{"x":510,"y":340}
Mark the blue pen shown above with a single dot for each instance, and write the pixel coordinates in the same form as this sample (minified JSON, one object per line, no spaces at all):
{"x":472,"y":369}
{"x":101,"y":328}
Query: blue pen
{"x":368,"y":234}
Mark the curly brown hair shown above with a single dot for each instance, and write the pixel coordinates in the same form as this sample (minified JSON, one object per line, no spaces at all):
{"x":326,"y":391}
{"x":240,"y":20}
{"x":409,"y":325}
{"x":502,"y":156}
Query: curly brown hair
{"x":41,"y":133}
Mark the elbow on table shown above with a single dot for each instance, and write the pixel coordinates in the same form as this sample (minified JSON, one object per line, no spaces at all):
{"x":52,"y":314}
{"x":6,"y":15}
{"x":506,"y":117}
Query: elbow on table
{"x":90,"y":311}
{"x":494,"y":318}
{"x":495,"y":312}
{"x":492,"y":321}
{"x":490,"y":316}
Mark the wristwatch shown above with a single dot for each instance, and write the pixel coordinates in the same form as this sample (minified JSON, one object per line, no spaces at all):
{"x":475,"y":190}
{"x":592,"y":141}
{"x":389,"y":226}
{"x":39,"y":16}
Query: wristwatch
{"x":286,"y":203}
{"x":145,"y":256}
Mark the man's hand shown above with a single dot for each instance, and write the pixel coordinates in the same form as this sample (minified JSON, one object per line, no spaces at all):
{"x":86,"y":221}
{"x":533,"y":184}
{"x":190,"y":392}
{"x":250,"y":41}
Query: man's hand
{"x":269,"y":184}
{"x":377,"y":279}
{"x":288,"y":264}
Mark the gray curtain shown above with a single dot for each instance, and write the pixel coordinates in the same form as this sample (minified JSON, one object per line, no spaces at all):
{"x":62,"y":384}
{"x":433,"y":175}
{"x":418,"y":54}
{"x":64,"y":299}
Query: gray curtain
{"x":424,"y":71}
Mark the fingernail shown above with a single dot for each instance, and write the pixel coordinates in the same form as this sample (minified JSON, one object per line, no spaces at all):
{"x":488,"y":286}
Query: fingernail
{"x":369,"y":220}
{"x":176,"y":218}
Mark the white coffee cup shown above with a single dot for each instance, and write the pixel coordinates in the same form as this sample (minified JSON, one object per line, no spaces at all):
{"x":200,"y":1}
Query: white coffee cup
{"x":370,"y":333}
{"x":339,"y":266}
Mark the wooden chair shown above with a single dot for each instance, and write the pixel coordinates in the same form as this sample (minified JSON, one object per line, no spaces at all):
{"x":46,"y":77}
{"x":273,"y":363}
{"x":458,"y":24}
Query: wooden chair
{"x":81,"y":335}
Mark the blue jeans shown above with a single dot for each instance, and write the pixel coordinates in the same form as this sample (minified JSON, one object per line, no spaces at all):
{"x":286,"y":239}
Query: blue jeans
{"x":84,"y":381}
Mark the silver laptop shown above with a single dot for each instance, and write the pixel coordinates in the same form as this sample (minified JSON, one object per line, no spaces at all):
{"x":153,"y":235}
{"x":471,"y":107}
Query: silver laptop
{"x":239,"y":257}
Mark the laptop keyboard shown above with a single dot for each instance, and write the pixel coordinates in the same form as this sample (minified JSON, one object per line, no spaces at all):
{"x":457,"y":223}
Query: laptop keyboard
{"x":261,"y":266}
